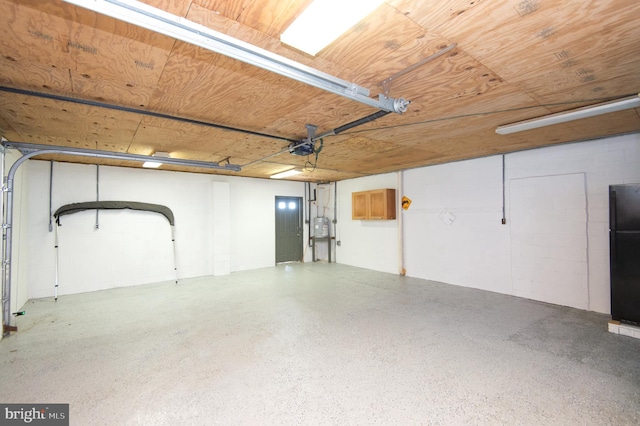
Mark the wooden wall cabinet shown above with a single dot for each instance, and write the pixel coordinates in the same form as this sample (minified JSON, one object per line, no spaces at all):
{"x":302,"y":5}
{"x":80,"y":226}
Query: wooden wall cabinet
{"x":378,"y":204}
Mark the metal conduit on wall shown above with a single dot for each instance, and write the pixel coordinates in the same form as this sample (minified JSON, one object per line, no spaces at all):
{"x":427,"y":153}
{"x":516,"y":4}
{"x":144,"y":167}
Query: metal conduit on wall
{"x":97,"y":194}
{"x":50,"y":196}
{"x":335,"y":220}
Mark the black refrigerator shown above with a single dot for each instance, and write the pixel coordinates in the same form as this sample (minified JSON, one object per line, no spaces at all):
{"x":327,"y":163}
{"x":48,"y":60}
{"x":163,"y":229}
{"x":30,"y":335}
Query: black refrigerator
{"x":624,"y":249}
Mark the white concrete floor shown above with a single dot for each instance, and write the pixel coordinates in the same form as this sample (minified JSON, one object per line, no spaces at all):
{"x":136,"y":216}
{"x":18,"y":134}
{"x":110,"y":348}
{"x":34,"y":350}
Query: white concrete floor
{"x":319,"y":344}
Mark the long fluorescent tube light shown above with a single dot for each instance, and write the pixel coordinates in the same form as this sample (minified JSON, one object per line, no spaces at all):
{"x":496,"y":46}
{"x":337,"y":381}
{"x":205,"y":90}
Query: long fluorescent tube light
{"x":151,"y":164}
{"x":154,"y":19}
{"x":575,"y":114}
{"x":36,"y":149}
{"x":323,"y":21}
{"x":286,"y":173}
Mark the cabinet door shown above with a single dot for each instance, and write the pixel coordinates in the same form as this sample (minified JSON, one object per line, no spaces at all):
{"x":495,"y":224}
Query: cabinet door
{"x":390,"y":201}
{"x":382,"y":204}
{"x":359,"y":205}
{"x":378,"y":204}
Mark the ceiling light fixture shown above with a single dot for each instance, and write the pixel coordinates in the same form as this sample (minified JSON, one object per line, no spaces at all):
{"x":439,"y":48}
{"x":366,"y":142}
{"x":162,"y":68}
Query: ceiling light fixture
{"x":179,"y":28}
{"x":155,"y":164}
{"x":287,"y":173}
{"x":323,"y":21}
{"x":575,"y":114}
{"x":31,"y":149}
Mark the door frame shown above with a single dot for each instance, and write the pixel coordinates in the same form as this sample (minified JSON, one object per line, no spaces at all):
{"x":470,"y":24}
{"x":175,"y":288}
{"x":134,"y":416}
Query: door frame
{"x":300,"y":242}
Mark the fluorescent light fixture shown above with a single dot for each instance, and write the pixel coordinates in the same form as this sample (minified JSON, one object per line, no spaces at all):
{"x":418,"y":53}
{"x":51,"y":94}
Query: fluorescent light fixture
{"x":155,"y":164}
{"x":286,"y":173}
{"x":575,"y":114}
{"x":323,"y":21}
{"x":31,"y":149}
{"x":179,"y":28}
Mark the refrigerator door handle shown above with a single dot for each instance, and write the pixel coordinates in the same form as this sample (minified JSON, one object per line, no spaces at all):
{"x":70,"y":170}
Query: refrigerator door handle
{"x":612,"y":249}
{"x":612,"y":211}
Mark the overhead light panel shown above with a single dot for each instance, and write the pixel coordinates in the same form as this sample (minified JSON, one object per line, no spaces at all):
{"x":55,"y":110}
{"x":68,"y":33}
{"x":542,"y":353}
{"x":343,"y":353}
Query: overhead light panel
{"x":155,"y":164}
{"x":287,"y":173}
{"x":179,"y":28}
{"x":575,"y":114}
{"x":29,"y":150}
{"x":323,"y":21}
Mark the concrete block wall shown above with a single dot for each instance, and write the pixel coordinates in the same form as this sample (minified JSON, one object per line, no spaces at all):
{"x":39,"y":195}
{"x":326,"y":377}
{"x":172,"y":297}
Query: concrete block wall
{"x":252,"y":220}
{"x":554,"y":246}
{"x":451,"y":233}
{"x":602,"y":162}
{"x":371,"y":244}
{"x":221,"y":237}
{"x":452,"y":230}
{"x":548,"y":227}
{"x":223,"y":224}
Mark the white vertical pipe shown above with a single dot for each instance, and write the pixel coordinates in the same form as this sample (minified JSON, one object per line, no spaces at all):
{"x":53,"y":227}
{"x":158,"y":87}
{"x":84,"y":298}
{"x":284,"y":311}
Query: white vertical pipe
{"x":97,"y":194}
{"x":399,"y":215}
{"x":50,"y":196}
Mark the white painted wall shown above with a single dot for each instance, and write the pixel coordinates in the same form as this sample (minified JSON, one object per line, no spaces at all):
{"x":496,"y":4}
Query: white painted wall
{"x":548,"y":226}
{"x":221,"y":218}
{"x":453,"y":232}
{"x":603,"y":162}
{"x":371,"y":244}
{"x":253,"y":217}
{"x":223,"y":224}
{"x":19,"y":268}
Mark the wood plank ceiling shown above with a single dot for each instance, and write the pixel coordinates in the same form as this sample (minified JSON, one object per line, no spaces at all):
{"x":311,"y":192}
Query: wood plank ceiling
{"x":514,"y":60}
